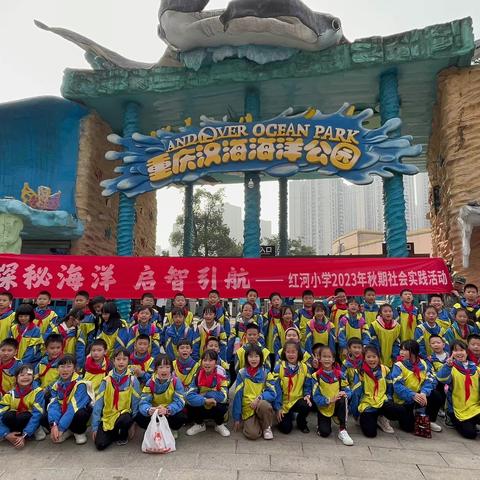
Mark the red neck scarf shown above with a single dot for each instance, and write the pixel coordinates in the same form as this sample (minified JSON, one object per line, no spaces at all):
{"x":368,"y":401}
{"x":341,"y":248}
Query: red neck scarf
{"x":370,"y":373}
{"x":49,"y":366}
{"x":463,"y":329}
{"x":355,"y":361}
{"x":4,"y":312}
{"x":330,"y":377}
{"x":5,"y":366}
{"x":286,"y":325}
{"x":252,"y":371}
{"x":388,"y":325}
{"x":416,"y":369}
{"x":137,"y":361}
{"x":116,"y":386}
{"x":66,"y":393}
{"x":409,"y":309}
{"x":29,"y":326}
{"x":290,"y":375}
{"x":22,"y":407}
{"x":468,"y":378}
{"x":207,"y":381}
{"x":320,"y":326}
{"x":471,"y":357}
{"x":274,"y":313}
{"x":91,"y":366}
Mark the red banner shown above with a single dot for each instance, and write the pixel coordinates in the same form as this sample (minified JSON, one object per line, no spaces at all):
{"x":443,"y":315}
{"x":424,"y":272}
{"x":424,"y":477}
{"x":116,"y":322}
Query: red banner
{"x":129,"y":277}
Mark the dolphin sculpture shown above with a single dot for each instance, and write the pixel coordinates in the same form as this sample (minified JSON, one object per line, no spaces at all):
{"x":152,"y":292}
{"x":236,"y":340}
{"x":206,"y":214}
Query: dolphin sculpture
{"x":185,"y":26}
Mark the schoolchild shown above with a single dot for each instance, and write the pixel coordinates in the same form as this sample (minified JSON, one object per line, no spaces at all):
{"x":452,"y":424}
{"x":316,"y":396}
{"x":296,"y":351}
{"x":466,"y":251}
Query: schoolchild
{"x":293,"y":387}
{"x":44,"y":316}
{"x":414,"y":387}
{"x":252,"y":336}
{"x":113,"y":329}
{"x":147,"y":302}
{"x":319,"y":329}
{"x":208,"y":327}
{"x":469,"y":303}
{"x":89,"y":325}
{"x":145,"y":326}
{"x":369,"y":305}
{"x":460,"y":329}
{"x":21,"y":410}
{"x":70,"y":407}
{"x":409,"y":316}
{"x":287,"y":321}
{"x":339,"y":307}
{"x":141,"y":362}
{"x":305,"y":314}
{"x":9,"y":364}
{"x":175,"y":332}
{"x":330,"y":394}
{"x":27,"y":334}
{"x":473,"y":343}
{"x":97,"y":364}
{"x":221,"y":313}
{"x":353,"y":362}
{"x":426,"y":329}
{"x":116,"y":404}
{"x":444,"y":319}
{"x":271,"y":317}
{"x":293,"y":335}
{"x":179,"y":302}
{"x":46,"y":370}
{"x":207,"y":396}
{"x":7,"y":314}
{"x":185,"y":367}
{"x":254,"y":396}
{"x":163,"y":393}
{"x":252,"y":297}
{"x":351,"y":325}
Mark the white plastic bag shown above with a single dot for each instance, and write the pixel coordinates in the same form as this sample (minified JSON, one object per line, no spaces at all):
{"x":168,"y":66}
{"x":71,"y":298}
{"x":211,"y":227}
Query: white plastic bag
{"x":158,"y":437}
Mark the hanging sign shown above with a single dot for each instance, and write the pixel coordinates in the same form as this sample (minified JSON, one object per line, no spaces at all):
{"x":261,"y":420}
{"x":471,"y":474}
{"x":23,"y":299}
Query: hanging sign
{"x":129,"y":277}
{"x":334,"y":145}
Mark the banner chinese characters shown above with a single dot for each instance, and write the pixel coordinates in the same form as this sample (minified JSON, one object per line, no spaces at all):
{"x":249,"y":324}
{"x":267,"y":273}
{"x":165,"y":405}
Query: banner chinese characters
{"x":129,"y":277}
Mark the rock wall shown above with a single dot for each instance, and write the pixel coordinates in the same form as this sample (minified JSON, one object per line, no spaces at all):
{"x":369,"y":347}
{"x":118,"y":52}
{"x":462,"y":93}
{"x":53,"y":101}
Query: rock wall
{"x":454,"y":165}
{"x":99,"y":214}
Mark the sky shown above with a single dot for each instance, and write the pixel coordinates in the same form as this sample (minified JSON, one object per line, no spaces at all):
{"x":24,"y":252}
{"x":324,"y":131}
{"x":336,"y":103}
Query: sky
{"x":32,"y":61}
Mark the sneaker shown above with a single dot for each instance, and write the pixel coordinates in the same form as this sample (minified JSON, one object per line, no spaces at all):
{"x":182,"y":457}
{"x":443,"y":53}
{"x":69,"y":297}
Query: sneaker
{"x":345,"y":438}
{"x":268,"y":434}
{"x":384,"y":425}
{"x":222,"y":430}
{"x":80,"y":438}
{"x":65,"y":436}
{"x":441,"y":413}
{"x":435,"y":427}
{"x":196,"y":428}
{"x":448,"y":421}
{"x":120,"y":443}
{"x":175,"y":434}
{"x":40,"y":434}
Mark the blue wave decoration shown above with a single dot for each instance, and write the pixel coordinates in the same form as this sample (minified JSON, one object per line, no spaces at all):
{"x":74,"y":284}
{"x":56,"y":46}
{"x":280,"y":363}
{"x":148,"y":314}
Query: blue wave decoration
{"x":331,"y":144}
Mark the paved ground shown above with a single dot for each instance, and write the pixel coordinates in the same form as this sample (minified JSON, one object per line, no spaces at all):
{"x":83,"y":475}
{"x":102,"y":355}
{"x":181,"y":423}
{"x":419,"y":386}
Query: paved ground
{"x":293,"y":457}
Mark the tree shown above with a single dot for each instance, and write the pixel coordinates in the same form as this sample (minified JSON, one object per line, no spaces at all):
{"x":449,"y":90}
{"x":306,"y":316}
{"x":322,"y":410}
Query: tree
{"x":295,"y":247}
{"x":211,"y":237}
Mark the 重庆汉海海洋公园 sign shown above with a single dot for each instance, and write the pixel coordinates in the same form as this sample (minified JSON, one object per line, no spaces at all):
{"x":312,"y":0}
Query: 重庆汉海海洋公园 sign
{"x":331,"y":144}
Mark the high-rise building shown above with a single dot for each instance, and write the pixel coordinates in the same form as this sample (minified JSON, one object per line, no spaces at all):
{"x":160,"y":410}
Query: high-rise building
{"x":322,"y":210}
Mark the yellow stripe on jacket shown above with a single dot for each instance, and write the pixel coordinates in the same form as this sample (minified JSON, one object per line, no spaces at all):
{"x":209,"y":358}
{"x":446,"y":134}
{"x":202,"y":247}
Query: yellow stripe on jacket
{"x":288,"y":400}
{"x":369,"y":399}
{"x":410,"y":379}
{"x":6,"y":325}
{"x":251,"y":391}
{"x":464,"y":410}
{"x":110,"y":414}
{"x":10,"y":403}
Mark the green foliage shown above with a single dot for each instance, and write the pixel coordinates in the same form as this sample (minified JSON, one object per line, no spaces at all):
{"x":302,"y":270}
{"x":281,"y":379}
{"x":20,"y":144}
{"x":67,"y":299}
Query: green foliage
{"x":295,"y":247}
{"x":211,"y":237}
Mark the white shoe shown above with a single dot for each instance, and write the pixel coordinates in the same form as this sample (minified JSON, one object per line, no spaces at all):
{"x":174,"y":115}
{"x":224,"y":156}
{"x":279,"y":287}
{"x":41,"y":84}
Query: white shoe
{"x":384,"y":425}
{"x":80,"y":438}
{"x":40,"y":434}
{"x":435,"y":427}
{"x":65,"y":435}
{"x":268,"y":434}
{"x":175,"y":434}
{"x":345,"y":438}
{"x":196,"y":428}
{"x":222,"y":430}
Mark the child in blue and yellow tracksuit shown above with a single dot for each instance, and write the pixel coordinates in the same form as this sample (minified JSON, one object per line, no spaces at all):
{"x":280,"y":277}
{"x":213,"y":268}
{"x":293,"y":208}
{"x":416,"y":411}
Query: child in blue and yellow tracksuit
{"x":293,"y":389}
{"x":252,"y":336}
{"x":469,"y":303}
{"x":185,"y":367}
{"x":179,"y":302}
{"x":339,"y":307}
{"x":384,"y":334}
{"x":145,"y":326}
{"x":330,"y":394}
{"x":305,"y":314}
{"x":44,"y":316}
{"x":414,"y":387}
{"x":178,"y":330}
{"x":208,"y":327}
{"x":27,"y":334}
{"x":221,"y":313}
{"x":164,"y":393}
{"x":426,"y":329}
{"x":70,"y":407}
{"x":207,"y":396}
{"x":46,"y":370}
{"x":273,"y":315}
{"x":9,"y":364}
{"x":444,"y":319}
{"x":280,"y":328}
{"x":319,"y":329}
{"x":353,"y":362}
{"x":254,"y":396}
{"x":351,"y":325}
{"x":97,"y":364}
{"x":116,"y":404}
{"x":21,"y":410}
{"x":141,"y":362}
{"x":460,"y":329}
{"x":113,"y":330}
{"x":369,"y":306}
{"x":409,"y":316}
{"x":372,"y":396}
{"x":7,"y":314}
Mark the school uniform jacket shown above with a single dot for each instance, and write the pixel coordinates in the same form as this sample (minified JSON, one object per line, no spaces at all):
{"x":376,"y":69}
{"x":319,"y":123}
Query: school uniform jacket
{"x":307,"y":358}
{"x":169,"y":321}
{"x":325,"y":386}
{"x":337,"y":312}
{"x":444,"y":319}
{"x":240,"y":357}
{"x":422,"y":335}
{"x":78,"y":394}
{"x":29,"y":340}
{"x":370,"y":312}
{"x":7,"y":375}
{"x":473,"y":310}
{"x":46,"y":372}
{"x":95,"y":373}
{"x":44,"y":318}
{"x":386,"y":340}
{"x":87,"y":326}
{"x":279,"y":331}
{"x":436,"y":363}
{"x":173,"y":335}
{"x":223,"y":318}
{"x":349,"y":327}
{"x":155,"y":319}
{"x":455,"y":332}
{"x":105,"y":411}
{"x":406,"y":384}
{"x":146,"y":363}
{"x":269,"y":319}
{"x":463,"y":393}
{"x":238,"y":331}
{"x":6,"y":321}
{"x":366,"y":397}
{"x":185,"y":371}
{"x":201,"y":334}
{"x":218,"y":390}
{"x":74,"y":342}
{"x":351,"y":369}
{"x":291,"y":385}
{"x":114,"y":337}
{"x":303,"y":316}
{"x":407,"y":326}
{"x":153,"y":333}
{"x":34,"y":401}
{"x":169,"y":394}
{"x":320,"y":332}
{"x":248,"y":388}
